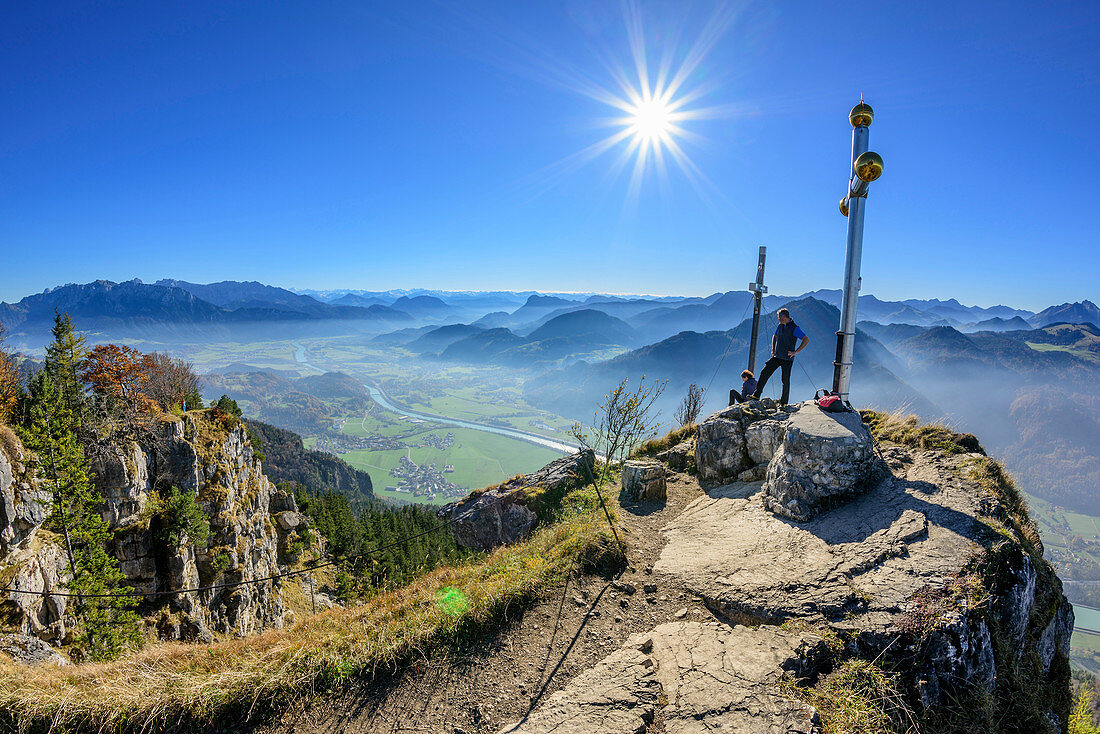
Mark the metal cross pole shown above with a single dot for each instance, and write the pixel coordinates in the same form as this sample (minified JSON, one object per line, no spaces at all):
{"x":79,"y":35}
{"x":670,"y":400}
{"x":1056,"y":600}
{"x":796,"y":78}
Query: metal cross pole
{"x":758,"y":290}
{"x":866,"y":167}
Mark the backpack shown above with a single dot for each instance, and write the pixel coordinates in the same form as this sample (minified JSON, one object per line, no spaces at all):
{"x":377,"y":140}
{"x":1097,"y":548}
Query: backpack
{"x":830,"y":402}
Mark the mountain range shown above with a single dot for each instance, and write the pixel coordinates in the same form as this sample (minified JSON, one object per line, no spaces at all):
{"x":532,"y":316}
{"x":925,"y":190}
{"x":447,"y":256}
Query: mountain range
{"x":176,"y":310}
{"x":188,"y":310}
{"x":1006,"y":370}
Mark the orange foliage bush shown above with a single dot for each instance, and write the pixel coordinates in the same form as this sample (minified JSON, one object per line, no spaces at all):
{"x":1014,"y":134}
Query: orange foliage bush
{"x":120,"y":372}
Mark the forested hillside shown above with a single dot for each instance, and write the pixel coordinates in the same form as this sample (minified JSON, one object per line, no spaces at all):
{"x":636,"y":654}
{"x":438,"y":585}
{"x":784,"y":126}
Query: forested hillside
{"x":286,"y":459}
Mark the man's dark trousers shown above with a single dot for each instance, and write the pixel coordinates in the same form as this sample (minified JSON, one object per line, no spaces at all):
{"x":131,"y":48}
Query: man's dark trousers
{"x":771,"y":366}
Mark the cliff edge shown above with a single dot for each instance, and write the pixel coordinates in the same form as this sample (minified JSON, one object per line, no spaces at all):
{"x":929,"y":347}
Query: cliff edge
{"x":204,"y":454}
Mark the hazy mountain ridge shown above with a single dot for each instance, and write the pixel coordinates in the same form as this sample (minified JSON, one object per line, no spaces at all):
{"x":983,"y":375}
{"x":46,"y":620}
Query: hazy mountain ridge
{"x":440,"y":338}
{"x":183,"y":309}
{"x":138,"y":309}
{"x":716,"y":359}
{"x":1081,"y":312}
{"x":569,"y":336}
{"x":1031,"y":405}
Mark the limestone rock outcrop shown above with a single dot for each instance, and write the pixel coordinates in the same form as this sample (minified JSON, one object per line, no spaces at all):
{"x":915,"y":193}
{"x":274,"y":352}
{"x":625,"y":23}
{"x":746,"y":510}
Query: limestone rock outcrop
{"x":810,"y":459}
{"x":23,"y":504}
{"x":821,"y":459}
{"x":249,"y":521}
{"x":197,"y":454}
{"x":738,"y":438}
{"x":508,"y":512}
{"x":644,"y":481}
{"x":914,"y":567}
{"x":33,"y":569}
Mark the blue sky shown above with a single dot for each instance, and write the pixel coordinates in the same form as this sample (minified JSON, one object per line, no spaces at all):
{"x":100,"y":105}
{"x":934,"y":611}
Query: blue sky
{"x":398,"y":145}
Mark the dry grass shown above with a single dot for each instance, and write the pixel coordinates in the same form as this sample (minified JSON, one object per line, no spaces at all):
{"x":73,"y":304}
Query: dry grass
{"x":858,"y":698}
{"x":9,"y":443}
{"x":907,"y":430}
{"x":655,"y":446}
{"x":173,"y":682}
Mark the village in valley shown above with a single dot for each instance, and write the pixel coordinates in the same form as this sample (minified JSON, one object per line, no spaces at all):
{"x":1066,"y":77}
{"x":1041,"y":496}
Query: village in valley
{"x":424,"y":481}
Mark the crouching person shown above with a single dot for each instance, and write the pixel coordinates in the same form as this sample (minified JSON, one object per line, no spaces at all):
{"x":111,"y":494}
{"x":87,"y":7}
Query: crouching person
{"x":748,"y":387}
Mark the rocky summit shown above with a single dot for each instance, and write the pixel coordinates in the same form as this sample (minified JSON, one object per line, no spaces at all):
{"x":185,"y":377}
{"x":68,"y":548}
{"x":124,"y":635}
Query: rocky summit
{"x":836,"y":552}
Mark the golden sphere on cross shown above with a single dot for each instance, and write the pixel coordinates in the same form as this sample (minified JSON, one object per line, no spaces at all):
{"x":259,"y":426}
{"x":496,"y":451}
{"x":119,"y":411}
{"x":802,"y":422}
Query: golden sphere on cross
{"x":868,"y":166}
{"x":861,"y":115}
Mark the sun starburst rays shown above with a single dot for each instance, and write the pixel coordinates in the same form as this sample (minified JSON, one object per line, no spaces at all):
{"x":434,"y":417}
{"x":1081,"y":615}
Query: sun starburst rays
{"x":656,"y":97}
{"x":658,"y":104}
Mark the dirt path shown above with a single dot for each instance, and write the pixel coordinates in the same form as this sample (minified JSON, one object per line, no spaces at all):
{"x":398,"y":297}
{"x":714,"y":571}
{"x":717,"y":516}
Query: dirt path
{"x":484,"y":682}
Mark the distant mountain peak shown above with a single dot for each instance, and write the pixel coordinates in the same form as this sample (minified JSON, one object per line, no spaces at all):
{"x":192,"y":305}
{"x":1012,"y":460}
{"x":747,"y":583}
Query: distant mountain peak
{"x":1074,"y":313}
{"x":539,"y":301}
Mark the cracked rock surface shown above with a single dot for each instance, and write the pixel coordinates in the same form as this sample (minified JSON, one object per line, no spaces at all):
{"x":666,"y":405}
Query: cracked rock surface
{"x":867,"y":556}
{"x":702,"y":676}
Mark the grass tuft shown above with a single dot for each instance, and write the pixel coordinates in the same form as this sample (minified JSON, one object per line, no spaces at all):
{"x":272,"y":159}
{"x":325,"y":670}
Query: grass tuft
{"x":655,"y":446}
{"x":858,"y":698}
{"x":907,"y":430}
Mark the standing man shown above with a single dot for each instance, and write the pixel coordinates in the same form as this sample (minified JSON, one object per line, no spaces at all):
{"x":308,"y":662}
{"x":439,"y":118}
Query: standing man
{"x":783,"y":351}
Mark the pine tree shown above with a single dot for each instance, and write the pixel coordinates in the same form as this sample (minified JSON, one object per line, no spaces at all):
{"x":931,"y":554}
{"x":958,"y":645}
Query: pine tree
{"x":65,"y":357}
{"x":107,"y":625}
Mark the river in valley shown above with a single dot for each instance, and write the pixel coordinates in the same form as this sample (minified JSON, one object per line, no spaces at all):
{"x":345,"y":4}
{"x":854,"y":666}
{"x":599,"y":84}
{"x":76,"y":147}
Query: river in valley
{"x":378,"y":396}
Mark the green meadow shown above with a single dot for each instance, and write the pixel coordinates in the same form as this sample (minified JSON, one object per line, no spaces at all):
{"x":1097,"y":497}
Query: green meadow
{"x":480,"y":459}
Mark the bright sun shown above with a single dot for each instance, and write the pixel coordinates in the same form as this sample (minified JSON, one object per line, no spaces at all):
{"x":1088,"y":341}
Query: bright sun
{"x":651,"y":120}
{"x":655,"y":105}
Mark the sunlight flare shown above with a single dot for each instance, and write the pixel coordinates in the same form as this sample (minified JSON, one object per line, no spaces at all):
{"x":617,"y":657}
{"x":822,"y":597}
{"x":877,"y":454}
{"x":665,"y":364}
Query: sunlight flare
{"x":655,"y":98}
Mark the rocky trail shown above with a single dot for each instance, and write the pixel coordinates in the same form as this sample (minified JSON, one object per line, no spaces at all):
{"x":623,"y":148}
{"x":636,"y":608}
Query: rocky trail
{"x":489,"y":680}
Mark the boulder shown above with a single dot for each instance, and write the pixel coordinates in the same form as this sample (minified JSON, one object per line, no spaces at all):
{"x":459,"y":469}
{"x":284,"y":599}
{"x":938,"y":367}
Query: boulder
{"x":678,"y":456}
{"x":490,"y":519}
{"x":824,"y":458}
{"x":508,"y":513}
{"x":288,"y":520}
{"x":720,"y":448}
{"x":763,"y":438}
{"x":644,"y":481}
{"x":31,"y":651}
{"x":738,"y":437}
